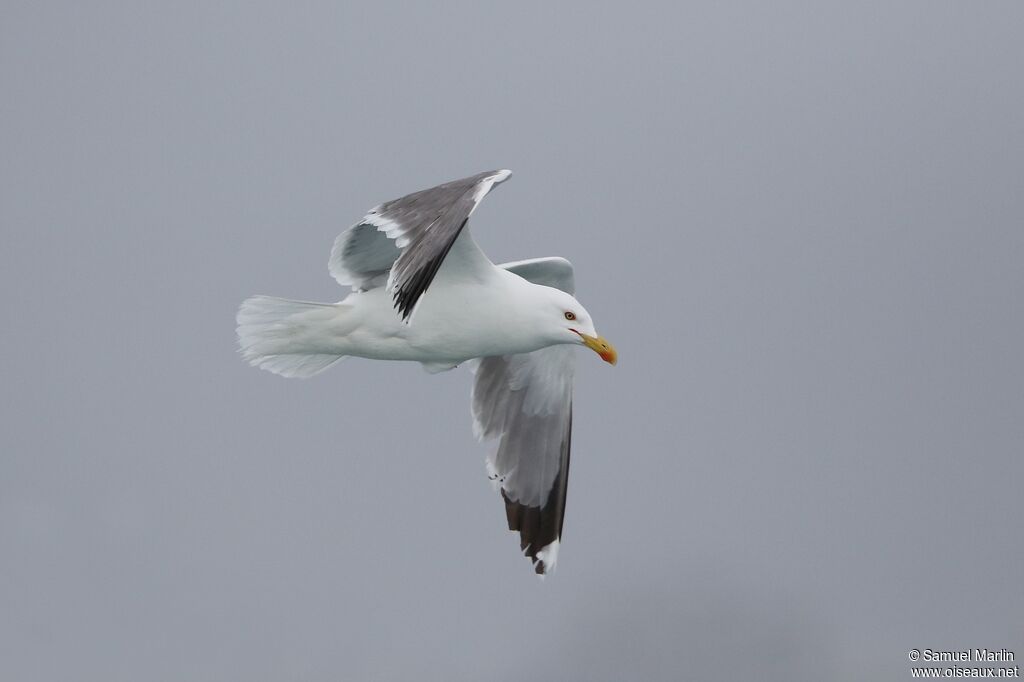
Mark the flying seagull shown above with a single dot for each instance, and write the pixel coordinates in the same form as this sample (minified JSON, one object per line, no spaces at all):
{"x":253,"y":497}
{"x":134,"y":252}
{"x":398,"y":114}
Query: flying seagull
{"x":422,"y":290}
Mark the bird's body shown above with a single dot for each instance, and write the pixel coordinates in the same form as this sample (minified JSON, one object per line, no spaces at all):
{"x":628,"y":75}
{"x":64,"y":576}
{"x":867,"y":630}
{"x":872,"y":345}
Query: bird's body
{"x":423,"y":291}
{"x":475,"y":309}
{"x":464,"y":317}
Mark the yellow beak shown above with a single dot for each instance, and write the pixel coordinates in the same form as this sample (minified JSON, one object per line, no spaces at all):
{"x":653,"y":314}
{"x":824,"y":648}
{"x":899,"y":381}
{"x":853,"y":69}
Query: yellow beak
{"x":601,"y":347}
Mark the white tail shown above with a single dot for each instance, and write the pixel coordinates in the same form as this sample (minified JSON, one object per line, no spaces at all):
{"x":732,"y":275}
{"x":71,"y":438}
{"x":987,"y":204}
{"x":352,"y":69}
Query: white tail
{"x":286,"y":337}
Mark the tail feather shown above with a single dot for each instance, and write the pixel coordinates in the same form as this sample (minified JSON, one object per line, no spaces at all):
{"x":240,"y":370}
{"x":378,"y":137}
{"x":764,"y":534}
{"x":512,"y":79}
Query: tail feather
{"x":287,"y":337}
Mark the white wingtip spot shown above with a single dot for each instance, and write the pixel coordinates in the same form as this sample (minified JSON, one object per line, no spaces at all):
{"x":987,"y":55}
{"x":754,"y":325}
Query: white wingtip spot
{"x":549,"y":555}
{"x":484,"y":186}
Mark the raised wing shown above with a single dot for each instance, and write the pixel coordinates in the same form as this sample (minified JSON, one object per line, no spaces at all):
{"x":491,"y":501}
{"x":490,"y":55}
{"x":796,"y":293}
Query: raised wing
{"x":525,"y":401}
{"x":404,"y":242}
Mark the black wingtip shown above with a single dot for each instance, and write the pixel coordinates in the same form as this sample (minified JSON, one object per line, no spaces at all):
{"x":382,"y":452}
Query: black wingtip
{"x":408,"y":294}
{"x":538,"y":527}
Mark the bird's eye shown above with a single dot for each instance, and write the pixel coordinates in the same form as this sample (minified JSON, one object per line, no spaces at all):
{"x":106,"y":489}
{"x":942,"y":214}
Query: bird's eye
{"x":570,"y":315}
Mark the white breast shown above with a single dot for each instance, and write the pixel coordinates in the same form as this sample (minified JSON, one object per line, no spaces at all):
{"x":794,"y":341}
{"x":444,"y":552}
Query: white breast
{"x":456,"y":320}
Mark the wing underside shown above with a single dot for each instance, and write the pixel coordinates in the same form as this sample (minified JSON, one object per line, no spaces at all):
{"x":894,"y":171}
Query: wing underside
{"x":525,"y":403}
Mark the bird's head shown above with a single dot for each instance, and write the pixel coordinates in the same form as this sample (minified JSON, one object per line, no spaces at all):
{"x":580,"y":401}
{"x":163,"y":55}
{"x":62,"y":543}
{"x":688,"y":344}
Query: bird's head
{"x":571,"y":323}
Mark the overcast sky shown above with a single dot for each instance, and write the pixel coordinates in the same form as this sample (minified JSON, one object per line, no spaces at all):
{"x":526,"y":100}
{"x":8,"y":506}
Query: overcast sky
{"x":801,"y":224}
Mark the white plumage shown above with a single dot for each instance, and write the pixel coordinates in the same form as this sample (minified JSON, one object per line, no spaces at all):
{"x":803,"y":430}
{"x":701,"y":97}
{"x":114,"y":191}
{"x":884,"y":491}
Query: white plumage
{"x":423,"y":291}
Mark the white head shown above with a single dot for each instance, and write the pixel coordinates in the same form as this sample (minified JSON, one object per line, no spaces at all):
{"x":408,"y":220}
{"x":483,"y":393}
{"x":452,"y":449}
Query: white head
{"x":566,"y":321}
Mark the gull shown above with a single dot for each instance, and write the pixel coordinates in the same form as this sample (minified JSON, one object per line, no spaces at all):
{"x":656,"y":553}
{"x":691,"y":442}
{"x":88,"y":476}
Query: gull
{"x":423,"y":291}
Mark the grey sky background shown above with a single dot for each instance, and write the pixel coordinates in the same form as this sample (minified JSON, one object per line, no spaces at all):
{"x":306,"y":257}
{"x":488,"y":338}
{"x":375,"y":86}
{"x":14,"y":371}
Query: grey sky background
{"x":801,"y":224}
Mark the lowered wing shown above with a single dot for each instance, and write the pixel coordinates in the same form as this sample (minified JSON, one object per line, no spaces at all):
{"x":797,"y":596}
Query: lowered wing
{"x":525,"y":402}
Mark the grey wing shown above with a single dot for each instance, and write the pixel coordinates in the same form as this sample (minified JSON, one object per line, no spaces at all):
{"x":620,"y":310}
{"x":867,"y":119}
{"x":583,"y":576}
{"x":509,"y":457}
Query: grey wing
{"x":525,"y":401}
{"x":404,"y":242}
{"x":552,"y":271}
